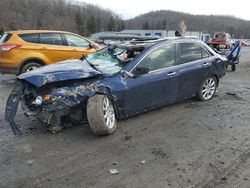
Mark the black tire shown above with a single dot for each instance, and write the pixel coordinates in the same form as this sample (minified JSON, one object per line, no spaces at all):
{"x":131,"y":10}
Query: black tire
{"x":31,"y":65}
{"x":201,"y":95}
{"x":233,"y":67}
{"x":95,"y":114}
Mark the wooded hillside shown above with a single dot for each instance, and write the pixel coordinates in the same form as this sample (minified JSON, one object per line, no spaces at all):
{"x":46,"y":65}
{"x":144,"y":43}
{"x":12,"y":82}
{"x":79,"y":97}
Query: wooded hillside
{"x":85,"y":19}
{"x":170,"y":20}
{"x":57,"y":15}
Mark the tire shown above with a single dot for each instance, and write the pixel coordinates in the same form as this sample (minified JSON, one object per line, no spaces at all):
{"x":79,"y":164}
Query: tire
{"x":233,"y":67}
{"x":207,"y":89}
{"x":98,"y":107}
{"x":31,"y":65}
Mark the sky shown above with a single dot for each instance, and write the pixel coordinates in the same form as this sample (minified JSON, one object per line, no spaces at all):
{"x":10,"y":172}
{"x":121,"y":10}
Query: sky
{"x":131,"y":8}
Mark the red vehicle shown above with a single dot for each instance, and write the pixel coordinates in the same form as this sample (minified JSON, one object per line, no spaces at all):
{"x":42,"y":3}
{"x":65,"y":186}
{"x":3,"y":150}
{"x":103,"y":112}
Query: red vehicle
{"x":221,"y":40}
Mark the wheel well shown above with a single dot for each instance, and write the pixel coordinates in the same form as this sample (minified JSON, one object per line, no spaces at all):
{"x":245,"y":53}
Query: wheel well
{"x":217,"y":79}
{"x":25,"y":62}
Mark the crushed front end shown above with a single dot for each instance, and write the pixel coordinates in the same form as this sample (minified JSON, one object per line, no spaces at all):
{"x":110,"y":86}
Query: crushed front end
{"x":55,"y":105}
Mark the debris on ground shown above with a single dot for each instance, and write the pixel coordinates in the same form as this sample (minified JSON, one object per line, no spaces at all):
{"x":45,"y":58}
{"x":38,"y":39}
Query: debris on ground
{"x":115,"y":163}
{"x":231,"y":93}
{"x":143,"y":162}
{"x":128,"y":137}
{"x":30,"y":162}
{"x":158,"y":152}
{"x":113,"y":171}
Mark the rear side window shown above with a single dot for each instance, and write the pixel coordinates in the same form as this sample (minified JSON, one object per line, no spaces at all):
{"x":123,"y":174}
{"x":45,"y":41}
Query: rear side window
{"x":76,"y":41}
{"x":32,"y":38}
{"x":191,"y":52}
{"x":50,"y":38}
{"x":5,"y":37}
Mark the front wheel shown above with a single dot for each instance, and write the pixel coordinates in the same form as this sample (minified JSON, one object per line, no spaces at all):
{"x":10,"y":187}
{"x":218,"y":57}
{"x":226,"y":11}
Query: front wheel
{"x":101,"y":115}
{"x":30,"y":66}
{"x":207,"y":89}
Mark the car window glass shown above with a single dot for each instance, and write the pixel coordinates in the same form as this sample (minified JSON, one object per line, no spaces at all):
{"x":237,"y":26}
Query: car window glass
{"x":205,"y":54}
{"x":76,"y":41}
{"x":32,"y":37}
{"x":5,"y":37}
{"x":191,"y":52}
{"x":160,"y":58}
{"x":50,"y":38}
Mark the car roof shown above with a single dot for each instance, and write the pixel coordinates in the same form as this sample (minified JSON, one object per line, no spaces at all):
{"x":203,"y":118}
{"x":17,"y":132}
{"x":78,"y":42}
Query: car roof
{"x":37,"y":31}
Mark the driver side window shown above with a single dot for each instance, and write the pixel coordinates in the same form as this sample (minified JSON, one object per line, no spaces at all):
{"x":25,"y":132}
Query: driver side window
{"x":160,"y":58}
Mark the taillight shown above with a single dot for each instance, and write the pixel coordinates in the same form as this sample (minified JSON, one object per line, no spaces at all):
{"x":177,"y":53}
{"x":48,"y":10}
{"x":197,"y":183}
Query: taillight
{"x":8,"y":47}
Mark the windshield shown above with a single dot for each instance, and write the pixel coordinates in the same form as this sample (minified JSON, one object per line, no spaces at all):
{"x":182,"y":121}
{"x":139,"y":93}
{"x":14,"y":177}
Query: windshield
{"x":219,"y":36}
{"x":107,"y":60}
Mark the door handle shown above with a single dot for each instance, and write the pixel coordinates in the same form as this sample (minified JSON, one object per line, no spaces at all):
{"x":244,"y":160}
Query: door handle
{"x":206,"y":64}
{"x":171,"y":74}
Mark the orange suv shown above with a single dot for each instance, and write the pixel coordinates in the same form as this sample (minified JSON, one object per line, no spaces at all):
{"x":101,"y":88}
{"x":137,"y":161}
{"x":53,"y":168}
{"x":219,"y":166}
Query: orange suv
{"x":22,"y":51}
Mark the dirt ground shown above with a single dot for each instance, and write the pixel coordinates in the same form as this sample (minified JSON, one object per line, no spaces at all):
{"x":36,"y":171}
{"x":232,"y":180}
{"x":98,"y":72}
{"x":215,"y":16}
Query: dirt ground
{"x":189,"y":144}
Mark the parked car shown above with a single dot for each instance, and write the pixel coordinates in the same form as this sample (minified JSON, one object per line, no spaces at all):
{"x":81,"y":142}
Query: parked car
{"x":22,"y":51}
{"x":221,"y":40}
{"x":117,"y":82}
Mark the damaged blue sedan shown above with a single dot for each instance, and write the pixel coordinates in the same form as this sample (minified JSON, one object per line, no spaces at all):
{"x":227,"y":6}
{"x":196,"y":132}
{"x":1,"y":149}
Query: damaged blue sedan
{"x":116,"y":82}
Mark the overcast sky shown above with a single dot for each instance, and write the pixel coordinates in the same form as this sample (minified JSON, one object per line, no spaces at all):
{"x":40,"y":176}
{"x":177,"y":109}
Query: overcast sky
{"x":131,"y":8}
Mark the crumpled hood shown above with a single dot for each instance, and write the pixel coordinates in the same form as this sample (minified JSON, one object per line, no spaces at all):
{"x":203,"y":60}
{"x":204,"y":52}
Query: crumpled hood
{"x":65,"y":70}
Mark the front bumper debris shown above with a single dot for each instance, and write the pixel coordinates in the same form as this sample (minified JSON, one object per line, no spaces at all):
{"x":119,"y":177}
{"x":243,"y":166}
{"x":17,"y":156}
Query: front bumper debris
{"x":12,"y":105}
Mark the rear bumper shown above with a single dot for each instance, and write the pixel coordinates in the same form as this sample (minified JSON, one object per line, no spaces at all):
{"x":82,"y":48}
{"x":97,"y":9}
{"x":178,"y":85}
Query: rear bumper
{"x":9,"y":70}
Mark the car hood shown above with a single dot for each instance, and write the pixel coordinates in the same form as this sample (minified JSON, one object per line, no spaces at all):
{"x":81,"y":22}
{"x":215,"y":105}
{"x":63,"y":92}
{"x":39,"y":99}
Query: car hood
{"x":62,"y":71}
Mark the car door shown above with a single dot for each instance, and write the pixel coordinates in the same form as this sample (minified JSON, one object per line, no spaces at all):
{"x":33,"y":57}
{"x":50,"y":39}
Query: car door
{"x":78,"y":45}
{"x":154,"y":83}
{"x":194,"y":63}
{"x":53,"y":47}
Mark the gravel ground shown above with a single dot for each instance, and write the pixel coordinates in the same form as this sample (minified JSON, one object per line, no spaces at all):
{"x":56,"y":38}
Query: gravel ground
{"x":189,"y":144}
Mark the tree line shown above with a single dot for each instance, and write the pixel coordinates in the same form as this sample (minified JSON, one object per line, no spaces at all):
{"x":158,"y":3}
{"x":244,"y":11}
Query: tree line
{"x":169,"y":20}
{"x":85,"y":19}
{"x":78,"y":17}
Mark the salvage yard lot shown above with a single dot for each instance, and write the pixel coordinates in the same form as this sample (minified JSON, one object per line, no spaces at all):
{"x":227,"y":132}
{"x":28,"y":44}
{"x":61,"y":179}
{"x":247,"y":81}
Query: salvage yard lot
{"x":189,"y":144}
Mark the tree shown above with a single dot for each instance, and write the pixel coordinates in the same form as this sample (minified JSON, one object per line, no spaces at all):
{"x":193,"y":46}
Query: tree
{"x":91,"y":25}
{"x":164,"y":24}
{"x":39,"y":24}
{"x":1,"y":31}
{"x":146,"y":25}
{"x":79,"y":23}
{"x":111,"y":24}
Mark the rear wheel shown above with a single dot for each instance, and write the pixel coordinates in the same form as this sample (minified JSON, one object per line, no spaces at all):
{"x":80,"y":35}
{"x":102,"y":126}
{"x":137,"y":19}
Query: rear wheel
{"x":101,"y":115}
{"x":233,"y":67}
{"x":29,"y":66}
{"x":207,"y":89}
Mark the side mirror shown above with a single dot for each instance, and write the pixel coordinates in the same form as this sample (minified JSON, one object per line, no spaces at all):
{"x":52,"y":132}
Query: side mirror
{"x":140,"y":71}
{"x":91,"y":46}
{"x":126,"y":74}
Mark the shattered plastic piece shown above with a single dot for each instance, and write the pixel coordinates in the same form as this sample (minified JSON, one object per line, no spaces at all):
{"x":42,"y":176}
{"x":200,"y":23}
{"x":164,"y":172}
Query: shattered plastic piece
{"x":113,"y":171}
{"x":143,"y":162}
{"x":30,"y":162}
